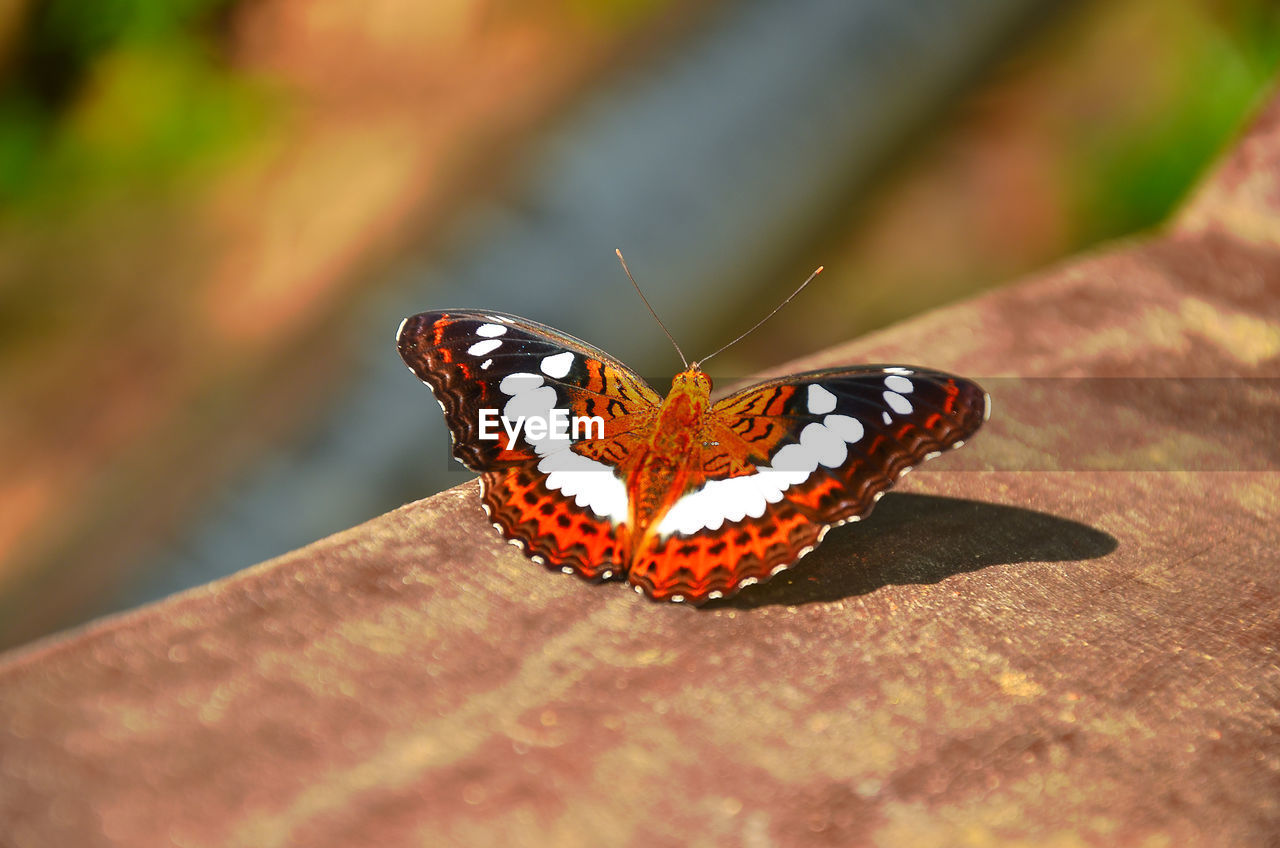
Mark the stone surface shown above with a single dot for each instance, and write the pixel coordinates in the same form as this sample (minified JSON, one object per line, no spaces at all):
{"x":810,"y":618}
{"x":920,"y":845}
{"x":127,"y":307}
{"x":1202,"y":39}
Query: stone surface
{"x":1002,"y":654}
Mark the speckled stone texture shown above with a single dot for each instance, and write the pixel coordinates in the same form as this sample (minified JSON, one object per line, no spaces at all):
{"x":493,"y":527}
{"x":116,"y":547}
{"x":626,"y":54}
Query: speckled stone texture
{"x":1065,"y":634}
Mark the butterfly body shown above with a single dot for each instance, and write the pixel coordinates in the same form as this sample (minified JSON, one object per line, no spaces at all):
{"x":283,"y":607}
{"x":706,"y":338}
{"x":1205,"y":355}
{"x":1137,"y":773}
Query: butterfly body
{"x":688,"y":498}
{"x":667,"y":465}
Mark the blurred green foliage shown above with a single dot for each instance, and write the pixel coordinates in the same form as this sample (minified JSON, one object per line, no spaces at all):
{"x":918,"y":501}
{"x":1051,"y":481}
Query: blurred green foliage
{"x":96,"y":96}
{"x":1217,"y":63}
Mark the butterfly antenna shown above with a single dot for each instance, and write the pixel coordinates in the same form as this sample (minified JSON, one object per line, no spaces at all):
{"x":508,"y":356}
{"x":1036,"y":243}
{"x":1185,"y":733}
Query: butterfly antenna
{"x":651,"y":312}
{"x":815,"y":273}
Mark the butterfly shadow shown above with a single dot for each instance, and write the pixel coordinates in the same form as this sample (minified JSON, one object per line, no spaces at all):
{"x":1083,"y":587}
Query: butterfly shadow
{"x":916,"y":539}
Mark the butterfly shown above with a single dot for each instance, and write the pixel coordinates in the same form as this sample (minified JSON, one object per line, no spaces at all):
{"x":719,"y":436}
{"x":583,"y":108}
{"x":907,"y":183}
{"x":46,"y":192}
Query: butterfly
{"x":687,"y":498}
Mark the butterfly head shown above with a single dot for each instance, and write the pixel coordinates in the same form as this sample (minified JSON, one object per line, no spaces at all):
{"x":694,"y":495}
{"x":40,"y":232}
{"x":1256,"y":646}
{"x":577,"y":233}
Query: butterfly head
{"x":692,"y":380}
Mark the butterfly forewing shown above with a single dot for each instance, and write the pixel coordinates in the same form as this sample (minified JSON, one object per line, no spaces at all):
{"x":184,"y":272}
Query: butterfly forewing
{"x":476,"y":361}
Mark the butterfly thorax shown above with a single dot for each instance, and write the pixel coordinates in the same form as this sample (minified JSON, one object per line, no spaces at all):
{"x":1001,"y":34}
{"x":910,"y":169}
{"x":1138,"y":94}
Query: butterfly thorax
{"x":665,"y":469}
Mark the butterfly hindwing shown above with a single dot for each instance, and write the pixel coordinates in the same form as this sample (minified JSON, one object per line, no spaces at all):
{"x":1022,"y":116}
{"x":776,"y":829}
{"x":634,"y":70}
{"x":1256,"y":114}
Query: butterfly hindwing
{"x":707,"y":565}
{"x":551,"y":529}
{"x":788,"y":459}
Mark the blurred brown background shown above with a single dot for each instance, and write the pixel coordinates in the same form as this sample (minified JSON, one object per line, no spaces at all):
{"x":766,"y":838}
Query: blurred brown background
{"x":214,"y":213}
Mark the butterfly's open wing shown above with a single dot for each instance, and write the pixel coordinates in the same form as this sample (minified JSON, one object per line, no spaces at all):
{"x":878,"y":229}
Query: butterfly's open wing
{"x":788,"y":459}
{"x":559,"y":498}
{"x":474,"y":360}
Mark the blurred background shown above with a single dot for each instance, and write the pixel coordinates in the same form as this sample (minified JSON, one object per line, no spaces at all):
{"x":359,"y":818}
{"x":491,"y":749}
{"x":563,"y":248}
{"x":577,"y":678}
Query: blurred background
{"x":214,"y":214}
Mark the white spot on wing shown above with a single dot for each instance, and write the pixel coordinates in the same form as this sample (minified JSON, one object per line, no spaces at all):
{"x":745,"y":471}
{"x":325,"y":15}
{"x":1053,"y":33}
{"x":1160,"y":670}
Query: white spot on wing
{"x":986,"y":407}
{"x":825,"y":444}
{"x":400,"y":329}
{"x":821,"y":401}
{"x":484,"y":366}
{"x":490,"y":331}
{"x":714,"y":593}
{"x":849,"y":429}
{"x":896,"y":369}
{"x":485,"y":347}
{"x":897,"y":403}
{"x":899,"y":384}
{"x":514,"y":384}
{"x":887,"y":419}
{"x":557,"y":365}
